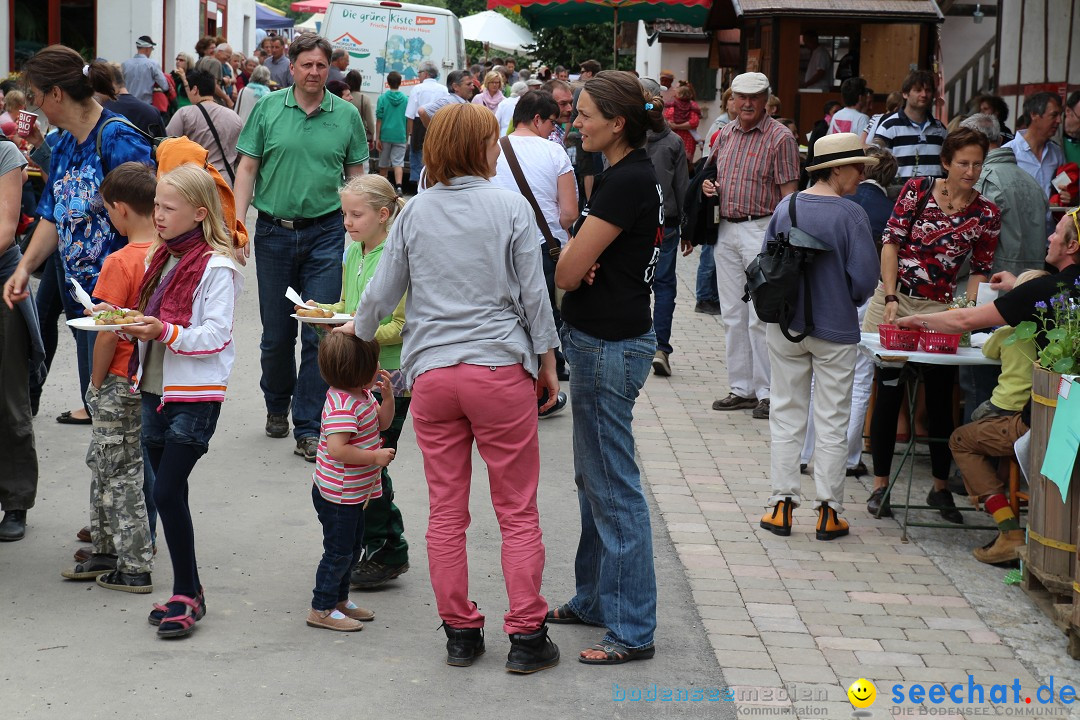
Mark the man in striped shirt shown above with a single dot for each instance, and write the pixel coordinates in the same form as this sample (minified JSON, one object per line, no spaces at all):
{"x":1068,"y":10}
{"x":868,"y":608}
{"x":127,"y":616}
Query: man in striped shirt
{"x":757,"y":164}
{"x":912,"y":133}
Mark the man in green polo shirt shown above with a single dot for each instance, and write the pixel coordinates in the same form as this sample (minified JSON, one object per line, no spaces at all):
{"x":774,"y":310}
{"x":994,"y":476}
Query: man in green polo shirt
{"x":293,"y":150}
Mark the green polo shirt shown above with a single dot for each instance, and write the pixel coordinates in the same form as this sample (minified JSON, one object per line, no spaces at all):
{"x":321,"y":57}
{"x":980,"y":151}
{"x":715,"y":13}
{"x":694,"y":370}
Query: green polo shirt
{"x":301,"y":157}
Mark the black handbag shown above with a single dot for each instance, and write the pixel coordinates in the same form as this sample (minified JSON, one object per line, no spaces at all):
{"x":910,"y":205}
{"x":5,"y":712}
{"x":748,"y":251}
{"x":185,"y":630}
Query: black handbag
{"x":701,"y":214}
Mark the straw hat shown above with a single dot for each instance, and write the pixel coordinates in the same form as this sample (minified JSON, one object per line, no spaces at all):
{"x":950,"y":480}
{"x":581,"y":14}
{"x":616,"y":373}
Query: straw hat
{"x":840,"y":149}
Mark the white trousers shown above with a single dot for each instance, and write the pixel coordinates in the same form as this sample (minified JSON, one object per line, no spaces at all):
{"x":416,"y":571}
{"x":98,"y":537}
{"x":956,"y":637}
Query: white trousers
{"x":736,"y":247}
{"x":860,"y":402}
{"x":832,"y":368}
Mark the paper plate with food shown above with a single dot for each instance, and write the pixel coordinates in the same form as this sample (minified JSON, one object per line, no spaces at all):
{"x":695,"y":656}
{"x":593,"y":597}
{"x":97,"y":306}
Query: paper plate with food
{"x":108,"y":320}
{"x":320,"y":315}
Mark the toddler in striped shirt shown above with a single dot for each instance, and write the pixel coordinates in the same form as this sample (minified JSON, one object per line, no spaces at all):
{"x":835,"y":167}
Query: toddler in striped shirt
{"x":348,"y":468}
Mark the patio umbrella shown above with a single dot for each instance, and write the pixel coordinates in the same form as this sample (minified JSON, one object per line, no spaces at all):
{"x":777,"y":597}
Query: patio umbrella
{"x":311,"y":6}
{"x":560,"y":13}
{"x":497,"y":31}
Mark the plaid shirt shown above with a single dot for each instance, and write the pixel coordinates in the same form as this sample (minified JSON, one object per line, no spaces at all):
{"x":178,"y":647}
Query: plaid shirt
{"x":752,"y":165}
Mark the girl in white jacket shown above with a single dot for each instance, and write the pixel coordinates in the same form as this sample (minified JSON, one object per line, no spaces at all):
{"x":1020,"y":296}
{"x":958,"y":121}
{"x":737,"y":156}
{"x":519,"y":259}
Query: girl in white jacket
{"x":185,"y":357}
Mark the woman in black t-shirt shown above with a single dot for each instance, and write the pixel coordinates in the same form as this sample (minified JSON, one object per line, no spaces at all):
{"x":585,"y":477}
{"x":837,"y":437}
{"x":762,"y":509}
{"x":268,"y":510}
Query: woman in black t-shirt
{"x":607,"y":271}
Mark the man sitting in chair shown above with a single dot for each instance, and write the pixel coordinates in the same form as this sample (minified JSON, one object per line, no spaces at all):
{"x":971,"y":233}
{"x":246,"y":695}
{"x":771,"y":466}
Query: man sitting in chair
{"x":975,"y":444}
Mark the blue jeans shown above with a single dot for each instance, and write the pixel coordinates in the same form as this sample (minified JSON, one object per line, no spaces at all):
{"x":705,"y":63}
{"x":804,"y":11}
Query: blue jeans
{"x":706,"y":276}
{"x":175,"y":436}
{"x":343,"y":544}
{"x":49,"y":308}
{"x":309,"y":260}
{"x":84,"y":341}
{"x":665,"y":290}
{"x":615,"y":578}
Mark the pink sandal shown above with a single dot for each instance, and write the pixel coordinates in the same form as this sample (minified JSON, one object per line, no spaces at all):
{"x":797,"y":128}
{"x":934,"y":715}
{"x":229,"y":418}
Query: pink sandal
{"x":160,"y":611}
{"x":174,"y":626}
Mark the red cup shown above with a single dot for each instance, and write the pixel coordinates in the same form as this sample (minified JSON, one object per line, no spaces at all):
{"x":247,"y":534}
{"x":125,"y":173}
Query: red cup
{"x":25,"y":124}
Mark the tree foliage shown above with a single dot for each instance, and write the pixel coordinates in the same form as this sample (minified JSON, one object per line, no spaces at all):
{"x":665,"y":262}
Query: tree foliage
{"x":571,"y":46}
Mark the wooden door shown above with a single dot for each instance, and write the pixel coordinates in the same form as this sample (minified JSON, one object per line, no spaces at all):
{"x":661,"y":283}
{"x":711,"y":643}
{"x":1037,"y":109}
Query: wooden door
{"x":887,"y":54}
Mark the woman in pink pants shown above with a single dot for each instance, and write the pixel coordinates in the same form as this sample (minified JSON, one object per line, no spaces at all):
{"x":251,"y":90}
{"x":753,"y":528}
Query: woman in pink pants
{"x":478,"y":350}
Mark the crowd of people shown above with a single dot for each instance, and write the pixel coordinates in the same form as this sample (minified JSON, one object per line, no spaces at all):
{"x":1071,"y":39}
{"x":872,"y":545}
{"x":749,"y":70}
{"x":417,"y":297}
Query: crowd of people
{"x":567,"y":276}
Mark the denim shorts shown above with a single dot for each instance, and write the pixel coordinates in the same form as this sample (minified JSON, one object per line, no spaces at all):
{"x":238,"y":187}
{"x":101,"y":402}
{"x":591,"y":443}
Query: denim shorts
{"x":181,"y":423}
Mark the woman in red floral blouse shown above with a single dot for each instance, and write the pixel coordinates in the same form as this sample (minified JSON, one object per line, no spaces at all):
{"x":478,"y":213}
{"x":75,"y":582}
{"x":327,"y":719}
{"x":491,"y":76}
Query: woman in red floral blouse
{"x":921,"y":256}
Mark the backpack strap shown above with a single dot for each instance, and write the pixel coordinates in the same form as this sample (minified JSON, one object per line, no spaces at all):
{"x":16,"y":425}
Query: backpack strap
{"x":553,"y":246}
{"x":217,"y":140}
{"x":791,"y":209}
{"x":926,"y":187}
{"x":808,"y":303}
{"x":119,"y":119}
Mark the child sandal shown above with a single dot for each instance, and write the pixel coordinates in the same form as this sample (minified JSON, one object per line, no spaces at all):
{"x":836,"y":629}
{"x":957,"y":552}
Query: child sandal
{"x":160,"y":611}
{"x":175,"y":626}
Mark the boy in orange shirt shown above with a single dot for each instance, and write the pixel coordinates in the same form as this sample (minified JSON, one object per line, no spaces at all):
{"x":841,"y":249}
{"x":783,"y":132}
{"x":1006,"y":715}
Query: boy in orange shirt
{"x":119,"y":528}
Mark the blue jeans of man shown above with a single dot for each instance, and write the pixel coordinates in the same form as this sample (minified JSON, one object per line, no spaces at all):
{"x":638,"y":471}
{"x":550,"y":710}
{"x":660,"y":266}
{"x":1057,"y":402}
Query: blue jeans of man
{"x":343,"y":544}
{"x":706,"y":276}
{"x":308,"y":260}
{"x":664,"y":289}
{"x":613,"y":569}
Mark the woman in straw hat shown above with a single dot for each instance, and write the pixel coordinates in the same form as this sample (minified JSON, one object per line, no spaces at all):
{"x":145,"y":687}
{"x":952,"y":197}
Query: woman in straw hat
{"x":840,"y":281}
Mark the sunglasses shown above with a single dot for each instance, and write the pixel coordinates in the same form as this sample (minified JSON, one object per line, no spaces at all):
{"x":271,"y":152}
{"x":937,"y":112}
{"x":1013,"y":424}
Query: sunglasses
{"x":1076,"y":221}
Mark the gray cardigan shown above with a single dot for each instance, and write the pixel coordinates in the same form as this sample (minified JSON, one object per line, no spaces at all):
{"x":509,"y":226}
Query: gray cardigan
{"x":476,"y":290}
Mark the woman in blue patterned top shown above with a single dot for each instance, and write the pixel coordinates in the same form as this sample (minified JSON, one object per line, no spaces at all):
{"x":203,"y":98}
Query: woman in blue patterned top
{"x":62,"y":86}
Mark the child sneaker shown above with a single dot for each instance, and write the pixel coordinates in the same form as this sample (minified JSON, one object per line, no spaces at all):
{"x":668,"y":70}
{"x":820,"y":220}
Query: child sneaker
{"x":333,"y":620}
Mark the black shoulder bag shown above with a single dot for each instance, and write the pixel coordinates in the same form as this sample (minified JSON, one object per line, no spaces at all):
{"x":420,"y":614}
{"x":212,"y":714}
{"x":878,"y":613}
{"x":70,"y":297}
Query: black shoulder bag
{"x":773,"y":278}
{"x":553,"y":246}
{"x":213,"y":131}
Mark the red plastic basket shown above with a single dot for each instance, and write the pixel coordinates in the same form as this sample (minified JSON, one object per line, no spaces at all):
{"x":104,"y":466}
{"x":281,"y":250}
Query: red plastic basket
{"x":932,"y":341}
{"x":897,"y":338}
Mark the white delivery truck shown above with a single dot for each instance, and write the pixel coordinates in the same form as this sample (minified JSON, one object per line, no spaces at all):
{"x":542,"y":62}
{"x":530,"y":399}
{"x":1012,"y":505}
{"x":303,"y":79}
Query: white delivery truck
{"x":385,"y":36}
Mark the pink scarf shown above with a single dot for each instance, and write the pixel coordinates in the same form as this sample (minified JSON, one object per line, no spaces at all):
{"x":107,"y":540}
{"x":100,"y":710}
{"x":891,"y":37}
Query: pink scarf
{"x":491,"y":102}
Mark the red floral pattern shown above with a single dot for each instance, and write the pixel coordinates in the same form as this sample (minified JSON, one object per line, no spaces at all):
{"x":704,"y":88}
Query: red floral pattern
{"x":931,"y":253}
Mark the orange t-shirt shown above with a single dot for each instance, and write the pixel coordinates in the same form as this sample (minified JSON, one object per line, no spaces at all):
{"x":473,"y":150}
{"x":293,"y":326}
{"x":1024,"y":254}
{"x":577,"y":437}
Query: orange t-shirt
{"x":118,"y":284}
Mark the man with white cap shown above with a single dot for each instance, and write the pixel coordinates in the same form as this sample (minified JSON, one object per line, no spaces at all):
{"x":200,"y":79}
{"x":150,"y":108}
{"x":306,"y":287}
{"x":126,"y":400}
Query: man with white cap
{"x":141,"y":73}
{"x":757,"y":163}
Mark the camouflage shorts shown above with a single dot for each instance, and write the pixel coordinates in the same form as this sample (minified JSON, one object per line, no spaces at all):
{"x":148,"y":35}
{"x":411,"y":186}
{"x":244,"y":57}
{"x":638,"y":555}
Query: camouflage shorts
{"x":118,"y":520}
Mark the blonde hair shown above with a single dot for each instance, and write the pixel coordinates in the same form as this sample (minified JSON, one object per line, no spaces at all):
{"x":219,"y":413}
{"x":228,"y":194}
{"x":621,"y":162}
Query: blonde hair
{"x":377,"y":192}
{"x":493,"y":77}
{"x":198,"y":189}
{"x":1029,"y":275}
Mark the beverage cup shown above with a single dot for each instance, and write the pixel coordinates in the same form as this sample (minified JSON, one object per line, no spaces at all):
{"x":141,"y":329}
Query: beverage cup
{"x":25,"y":123}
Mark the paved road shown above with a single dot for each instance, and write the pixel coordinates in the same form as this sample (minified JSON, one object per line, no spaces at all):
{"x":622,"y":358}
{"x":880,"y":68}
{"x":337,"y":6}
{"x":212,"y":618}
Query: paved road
{"x":72,"y":649}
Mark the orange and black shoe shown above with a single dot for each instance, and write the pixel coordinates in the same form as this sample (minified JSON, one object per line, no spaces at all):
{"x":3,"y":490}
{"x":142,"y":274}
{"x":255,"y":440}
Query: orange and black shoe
{"x":778,"y":518}
{"x":829,"y":525}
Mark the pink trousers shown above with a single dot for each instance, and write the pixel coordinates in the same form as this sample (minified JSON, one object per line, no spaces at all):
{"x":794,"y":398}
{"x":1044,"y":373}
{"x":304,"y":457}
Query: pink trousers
{"x":496,"y":407}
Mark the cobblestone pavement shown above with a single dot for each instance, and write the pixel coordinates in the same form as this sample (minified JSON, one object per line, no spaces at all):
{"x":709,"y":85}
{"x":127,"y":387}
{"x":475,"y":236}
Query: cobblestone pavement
{"x":794,"y":621}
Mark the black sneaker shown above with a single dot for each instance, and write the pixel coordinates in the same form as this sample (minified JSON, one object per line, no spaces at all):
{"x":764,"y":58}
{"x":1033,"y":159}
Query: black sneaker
{"x":13,"y":526}
{"x":463,"y":645}
{"x":277,"y":425}
{"x":707,"y":307}
{"x":532,"y":652}
{"x":761,"y":412}
{"x":558,"y":407}
{"x":126,"y":582}
{"x":370,"y":574}
{"x":942,"y":499}
{"x":307,"y":447}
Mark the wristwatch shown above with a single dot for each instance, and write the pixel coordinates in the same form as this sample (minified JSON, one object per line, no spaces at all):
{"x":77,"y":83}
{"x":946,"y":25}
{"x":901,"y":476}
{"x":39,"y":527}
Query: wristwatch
{"x":891,"y":298}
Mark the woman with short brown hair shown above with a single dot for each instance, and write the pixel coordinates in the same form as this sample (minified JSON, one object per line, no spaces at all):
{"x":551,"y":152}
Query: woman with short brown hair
{"x":479,"y":320}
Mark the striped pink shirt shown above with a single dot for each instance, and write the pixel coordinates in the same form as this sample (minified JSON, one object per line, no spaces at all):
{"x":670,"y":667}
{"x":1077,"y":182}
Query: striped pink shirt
{"x":358,"y":416}
{"x":751,"y":165}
